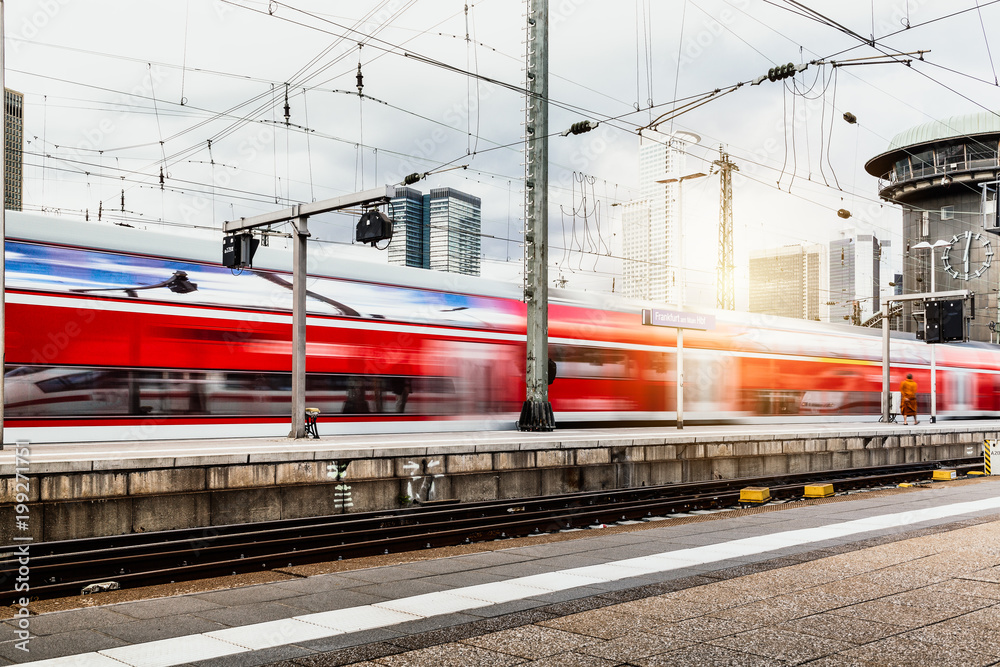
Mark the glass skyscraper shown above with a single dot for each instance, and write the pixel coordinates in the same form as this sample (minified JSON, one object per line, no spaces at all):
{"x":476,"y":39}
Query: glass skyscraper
{"x":651,"y":225}
{"x":13,"y":143}
{"x":439,"y":231}
{"x":854,"y":276}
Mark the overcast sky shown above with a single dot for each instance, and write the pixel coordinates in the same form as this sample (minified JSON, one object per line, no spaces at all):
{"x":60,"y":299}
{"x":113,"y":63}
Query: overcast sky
{"x":116,"y":91}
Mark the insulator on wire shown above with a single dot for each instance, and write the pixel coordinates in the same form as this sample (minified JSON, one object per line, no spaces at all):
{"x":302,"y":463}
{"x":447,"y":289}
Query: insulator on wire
{"x":781,"y":72}
{"x":580,"y":127}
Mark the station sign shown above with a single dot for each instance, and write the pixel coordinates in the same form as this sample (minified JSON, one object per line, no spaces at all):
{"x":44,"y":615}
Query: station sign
{"x":678,"y":319}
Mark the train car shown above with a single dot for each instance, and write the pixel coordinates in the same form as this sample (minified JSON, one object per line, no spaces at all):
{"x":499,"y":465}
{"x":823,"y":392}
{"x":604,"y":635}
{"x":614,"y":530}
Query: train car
{"x":115,"y":333}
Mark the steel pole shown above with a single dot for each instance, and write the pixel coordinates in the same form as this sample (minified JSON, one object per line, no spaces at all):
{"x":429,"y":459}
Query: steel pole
{"x":680,"y":378}
{"x":680,"y":243}
{"x":536,"y":412}
{"x":299,"y":279}
{"x":886,"y":400}
{"x":933,"y":349}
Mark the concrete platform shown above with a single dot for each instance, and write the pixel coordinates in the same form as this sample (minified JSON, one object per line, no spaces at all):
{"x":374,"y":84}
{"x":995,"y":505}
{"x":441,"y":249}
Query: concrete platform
{"x":93,"y":489}
{"x":899,"y":577}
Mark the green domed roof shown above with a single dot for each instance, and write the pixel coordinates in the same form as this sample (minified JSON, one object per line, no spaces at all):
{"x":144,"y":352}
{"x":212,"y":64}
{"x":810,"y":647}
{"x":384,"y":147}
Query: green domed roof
{"x":970,"y":125}
{"x":956,"y":126}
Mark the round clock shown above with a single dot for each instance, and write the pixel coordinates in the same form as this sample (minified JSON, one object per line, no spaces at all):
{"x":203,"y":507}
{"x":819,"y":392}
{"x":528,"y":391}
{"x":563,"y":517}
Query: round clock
{"x":968,"y":256}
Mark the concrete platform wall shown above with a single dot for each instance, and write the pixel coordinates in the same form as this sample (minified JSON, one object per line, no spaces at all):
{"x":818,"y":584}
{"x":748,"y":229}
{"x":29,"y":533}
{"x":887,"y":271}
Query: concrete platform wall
{"x":86,"y":499}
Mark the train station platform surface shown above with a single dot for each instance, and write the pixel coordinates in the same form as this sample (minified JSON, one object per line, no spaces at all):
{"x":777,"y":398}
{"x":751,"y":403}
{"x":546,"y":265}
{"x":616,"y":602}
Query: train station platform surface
{"x":57,"y":457}
{"x":890,"y":577}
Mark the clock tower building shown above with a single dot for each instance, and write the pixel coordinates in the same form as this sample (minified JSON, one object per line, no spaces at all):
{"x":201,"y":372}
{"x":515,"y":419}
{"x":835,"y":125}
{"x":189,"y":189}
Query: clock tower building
{"x":934,"y":172}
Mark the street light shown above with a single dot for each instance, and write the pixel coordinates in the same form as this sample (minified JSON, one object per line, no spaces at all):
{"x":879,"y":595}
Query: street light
{"x":925,"y":245}
{"x":680,"y":227}
{"x":931,"y":246}
{"x":680,"y":298}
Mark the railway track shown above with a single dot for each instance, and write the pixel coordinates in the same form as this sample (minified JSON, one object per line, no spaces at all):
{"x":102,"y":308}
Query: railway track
{"x":141,"y":559}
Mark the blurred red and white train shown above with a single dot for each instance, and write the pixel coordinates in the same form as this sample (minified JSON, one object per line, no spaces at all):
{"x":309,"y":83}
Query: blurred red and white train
{"x":116,"y":333}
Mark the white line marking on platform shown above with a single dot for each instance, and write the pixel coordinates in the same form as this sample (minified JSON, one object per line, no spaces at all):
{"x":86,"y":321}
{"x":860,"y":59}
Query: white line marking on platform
{"x":192,"y":648}
{"x":560,"y":581}
{"x":433,"y":604}
{"x":175,"y":651}
{"x":355,"y":619}
{"x":500,"y":591}
{"x":272,"y":633}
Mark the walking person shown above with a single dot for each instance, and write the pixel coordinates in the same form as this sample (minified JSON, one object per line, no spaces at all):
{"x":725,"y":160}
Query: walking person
{"x":908,"y":396}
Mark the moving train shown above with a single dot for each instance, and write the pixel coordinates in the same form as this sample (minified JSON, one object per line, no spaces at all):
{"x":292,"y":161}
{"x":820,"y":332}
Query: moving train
{"x":115,"y":333}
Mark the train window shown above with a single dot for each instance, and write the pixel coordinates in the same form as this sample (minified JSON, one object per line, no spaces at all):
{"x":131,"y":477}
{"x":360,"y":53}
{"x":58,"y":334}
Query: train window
{"x":70,"y":381}
{"x":590,"y":362}
{"x":23,"y":370}
{"x":36,"y":392}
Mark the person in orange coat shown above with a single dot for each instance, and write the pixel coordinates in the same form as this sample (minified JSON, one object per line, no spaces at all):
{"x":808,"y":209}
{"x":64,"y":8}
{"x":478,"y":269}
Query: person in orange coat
{"x":908,"y":396}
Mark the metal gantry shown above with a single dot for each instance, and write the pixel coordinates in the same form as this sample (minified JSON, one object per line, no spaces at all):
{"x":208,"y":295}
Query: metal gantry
{"x":886,"y":352}
{"x":726,"y":295}
{"x":298,"y":215}
{"x":536,"y":412}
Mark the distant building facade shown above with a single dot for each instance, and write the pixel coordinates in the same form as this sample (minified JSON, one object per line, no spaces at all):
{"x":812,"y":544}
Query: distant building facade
{"x":651,"y":225}
{"x":440,"y":230}
{"x":786,"y":281}
{"x":13,"y":134}
{"x":855,"y":261}
{"x":934,"y":172}
{"x":636,"y":230}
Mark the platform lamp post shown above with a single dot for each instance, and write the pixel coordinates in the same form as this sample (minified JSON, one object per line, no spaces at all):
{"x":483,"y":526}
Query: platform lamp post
{"x":679,"y":180}
{"x":921,"y":246}
{"x":680,"y":227}
{"x":298,"y":215}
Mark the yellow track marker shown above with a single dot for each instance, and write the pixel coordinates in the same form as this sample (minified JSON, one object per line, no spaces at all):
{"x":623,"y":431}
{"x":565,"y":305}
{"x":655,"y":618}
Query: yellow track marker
{"x":818,"y":490}
{"x":755,"y":494}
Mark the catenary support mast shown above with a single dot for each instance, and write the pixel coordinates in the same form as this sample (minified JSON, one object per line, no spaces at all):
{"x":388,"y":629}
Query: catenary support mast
{"x":726,"y":296}
{"x":536,"y":412}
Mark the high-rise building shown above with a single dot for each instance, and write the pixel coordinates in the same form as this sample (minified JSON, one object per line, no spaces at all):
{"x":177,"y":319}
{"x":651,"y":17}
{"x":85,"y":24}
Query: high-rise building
{"x":651,"y":255}
{"x":439,"y":231}
{"x":854,"y":276}
{"x":455,"y":225}
{"x":409,"y":229}
{"x":786,"y":281}
{"x":635,"y":249}
{"x":13,"y":134}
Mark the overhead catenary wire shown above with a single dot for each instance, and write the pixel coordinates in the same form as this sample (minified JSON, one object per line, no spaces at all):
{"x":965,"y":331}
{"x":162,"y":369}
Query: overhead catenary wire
{"x":179,"y":156}
{"x":305,"y":112}
{"x":187,"y":10}
{"x":986,"y":39}
{"x":307,"y":135}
